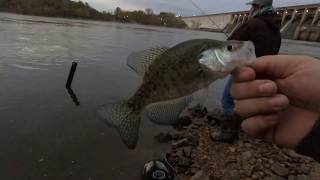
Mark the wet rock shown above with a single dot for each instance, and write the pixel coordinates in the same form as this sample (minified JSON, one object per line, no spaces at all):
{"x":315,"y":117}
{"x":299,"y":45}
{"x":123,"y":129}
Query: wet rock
{"x":211,"y":116}
{"x":274,"y":178}
{"x":302,"y":177}
{"x":198,"y":112}
{"x":268,"y":172}
{"x":232,"y":149}
{"x":267,"y":165}
{"x":179,"y":143}
{"x":178,"y":136}
{"x":307,"y":160}
{"x":194,"y":170}
{"x":246,"y":156}
{"x":258,"y":165}
{"x":193,"y":127}
{"x":304,"y":169}
{"x":222,"y":136}
{"x":253,"y":161}
{"x":187,"y":151}
{"x":215,"y":115}
{"x":279,"y":170}
{"x":270,"y":161}
{"x":293,"y":172}
{"x":292,"y":177}
{"x":315,"y":172}
{"x":182,"y":170}
{"x":163,"y":138}
{"x":248,"y":145}
{"x":195,"y":165}
{"x":213,"y":122}
{"x":200,"y":175}
{"x":234,"y":174}
{"x":193,"y":140}
{"x":179,"y":153}
{"x":182,"y":122}
{"x":281,"y":158}
{"x":291,"y":153}
{"x":199,"y":122}
{"x":261,"y":174}
{"x":248,"y":169}
{"x":184,"y":162}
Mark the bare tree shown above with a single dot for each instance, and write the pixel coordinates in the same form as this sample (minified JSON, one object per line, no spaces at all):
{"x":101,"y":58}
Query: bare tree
{"x":149,"y":11}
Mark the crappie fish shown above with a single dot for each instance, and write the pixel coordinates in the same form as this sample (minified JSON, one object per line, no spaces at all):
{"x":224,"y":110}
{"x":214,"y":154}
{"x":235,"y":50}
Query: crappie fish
{"x":170,"y":78}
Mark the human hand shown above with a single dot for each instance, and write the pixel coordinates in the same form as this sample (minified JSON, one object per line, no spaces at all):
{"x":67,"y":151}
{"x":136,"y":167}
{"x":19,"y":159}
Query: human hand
{"x":279,"y":97}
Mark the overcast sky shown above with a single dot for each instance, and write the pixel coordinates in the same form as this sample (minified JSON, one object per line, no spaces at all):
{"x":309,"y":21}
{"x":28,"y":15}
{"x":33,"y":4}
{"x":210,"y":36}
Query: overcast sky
{"x":185,"y":7}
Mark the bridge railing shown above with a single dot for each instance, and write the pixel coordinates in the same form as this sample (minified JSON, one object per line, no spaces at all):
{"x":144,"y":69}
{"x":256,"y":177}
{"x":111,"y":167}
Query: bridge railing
{"x":297,"y":22}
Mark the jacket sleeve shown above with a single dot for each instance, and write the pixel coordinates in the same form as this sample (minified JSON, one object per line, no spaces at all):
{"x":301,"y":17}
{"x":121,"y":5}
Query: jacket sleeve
{"x":253,"y":31}
{"x":310,"y":145}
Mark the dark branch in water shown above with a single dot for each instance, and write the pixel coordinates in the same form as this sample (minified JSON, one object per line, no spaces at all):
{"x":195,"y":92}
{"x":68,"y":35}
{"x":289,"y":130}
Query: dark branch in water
{"x":73,"y":97}
{"x":69,"y":82}
{"x":71,"y":74}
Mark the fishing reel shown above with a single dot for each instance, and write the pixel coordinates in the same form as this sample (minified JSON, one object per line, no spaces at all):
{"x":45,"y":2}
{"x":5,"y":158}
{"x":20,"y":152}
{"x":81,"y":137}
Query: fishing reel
{"x":158,"y":170}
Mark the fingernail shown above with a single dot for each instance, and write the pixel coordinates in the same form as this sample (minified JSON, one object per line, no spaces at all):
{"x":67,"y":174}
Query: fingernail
{"x":240,"y":72}
{"x":246,"y":72}
{"x":267,"y":88}
{"x":278,"y":102}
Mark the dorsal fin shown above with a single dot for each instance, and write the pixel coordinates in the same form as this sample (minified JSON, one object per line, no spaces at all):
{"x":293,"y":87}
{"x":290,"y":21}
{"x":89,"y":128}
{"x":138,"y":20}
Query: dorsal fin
{"x":140,"y":61}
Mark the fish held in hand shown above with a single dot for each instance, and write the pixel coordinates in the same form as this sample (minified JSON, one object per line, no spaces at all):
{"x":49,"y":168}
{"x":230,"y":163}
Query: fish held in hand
{"x":171,"y":76}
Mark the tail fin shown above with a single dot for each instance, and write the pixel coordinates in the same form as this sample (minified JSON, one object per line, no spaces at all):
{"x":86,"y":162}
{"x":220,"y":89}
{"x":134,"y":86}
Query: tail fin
{"x":121,"y":117}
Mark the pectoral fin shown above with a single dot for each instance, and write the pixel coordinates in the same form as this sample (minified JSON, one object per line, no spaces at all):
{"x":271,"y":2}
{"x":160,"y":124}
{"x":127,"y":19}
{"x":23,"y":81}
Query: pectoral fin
{"x":199,"y":98}
{"x":167,"y":112}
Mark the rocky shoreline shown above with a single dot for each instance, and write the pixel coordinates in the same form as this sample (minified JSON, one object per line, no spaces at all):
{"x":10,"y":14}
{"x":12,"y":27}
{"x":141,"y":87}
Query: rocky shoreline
{"x":194,"y":156}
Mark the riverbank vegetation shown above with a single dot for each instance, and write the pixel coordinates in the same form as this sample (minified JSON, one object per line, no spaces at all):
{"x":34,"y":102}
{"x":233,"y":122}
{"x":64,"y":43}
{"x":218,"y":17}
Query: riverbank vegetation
{"x":79,"y":9}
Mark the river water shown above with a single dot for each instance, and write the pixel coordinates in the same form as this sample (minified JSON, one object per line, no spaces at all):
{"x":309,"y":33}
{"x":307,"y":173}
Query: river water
{"x":43,"y":134}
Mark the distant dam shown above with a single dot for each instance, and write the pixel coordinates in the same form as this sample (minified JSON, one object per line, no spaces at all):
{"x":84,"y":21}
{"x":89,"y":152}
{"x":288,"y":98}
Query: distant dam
{"x":298,"y":22}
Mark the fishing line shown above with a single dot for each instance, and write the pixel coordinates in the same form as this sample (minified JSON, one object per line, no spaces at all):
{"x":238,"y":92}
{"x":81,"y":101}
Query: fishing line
{"x":205,"y":14}
{"x":175,"y":172}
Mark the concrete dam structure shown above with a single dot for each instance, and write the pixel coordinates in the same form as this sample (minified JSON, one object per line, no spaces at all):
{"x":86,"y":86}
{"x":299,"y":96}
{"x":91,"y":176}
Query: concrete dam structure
{"x":298,"y":22}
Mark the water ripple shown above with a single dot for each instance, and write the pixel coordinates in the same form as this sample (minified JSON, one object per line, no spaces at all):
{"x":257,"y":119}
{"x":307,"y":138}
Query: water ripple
{"x":26,"y":67}
{"x":24,"y":38}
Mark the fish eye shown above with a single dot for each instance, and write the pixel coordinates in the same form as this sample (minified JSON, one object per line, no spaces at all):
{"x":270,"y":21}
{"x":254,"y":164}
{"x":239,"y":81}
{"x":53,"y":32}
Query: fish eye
{"x":229,"y":47}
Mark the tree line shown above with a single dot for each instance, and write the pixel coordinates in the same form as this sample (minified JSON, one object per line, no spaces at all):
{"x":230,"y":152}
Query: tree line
{"x":79,"y":9}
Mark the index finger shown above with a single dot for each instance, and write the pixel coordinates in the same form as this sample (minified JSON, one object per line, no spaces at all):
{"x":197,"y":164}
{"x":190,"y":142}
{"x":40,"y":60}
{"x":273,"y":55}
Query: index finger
{"x":278,"y":66}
